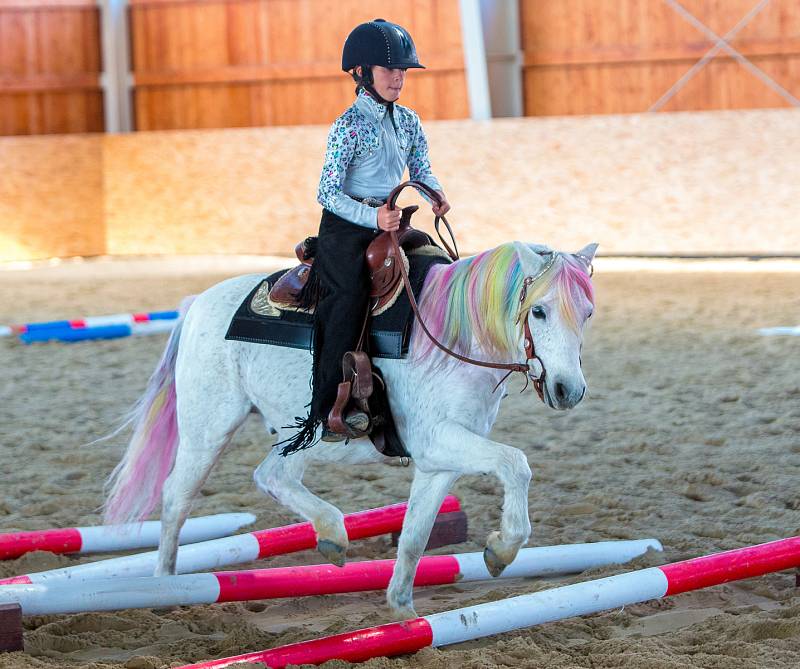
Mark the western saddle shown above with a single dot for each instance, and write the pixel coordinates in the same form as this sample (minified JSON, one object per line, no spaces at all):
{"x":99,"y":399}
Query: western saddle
{"x":387,"y":263}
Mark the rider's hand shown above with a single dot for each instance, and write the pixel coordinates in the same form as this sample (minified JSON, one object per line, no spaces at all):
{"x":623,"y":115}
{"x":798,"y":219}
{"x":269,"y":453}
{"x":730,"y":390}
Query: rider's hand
{"x":388,"y":219}
{"x":443,"y":208}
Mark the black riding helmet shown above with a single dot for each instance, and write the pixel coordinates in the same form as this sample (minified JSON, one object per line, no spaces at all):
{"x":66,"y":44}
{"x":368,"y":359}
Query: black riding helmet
{"x":379,"y":42}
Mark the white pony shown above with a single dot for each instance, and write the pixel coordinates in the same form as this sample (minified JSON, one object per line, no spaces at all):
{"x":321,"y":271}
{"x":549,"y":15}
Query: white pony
{"x":205,"y":387}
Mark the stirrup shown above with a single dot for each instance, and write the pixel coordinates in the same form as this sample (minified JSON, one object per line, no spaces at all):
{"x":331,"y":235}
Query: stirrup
{"x":358,"y":421}
{"x":332,"y":437}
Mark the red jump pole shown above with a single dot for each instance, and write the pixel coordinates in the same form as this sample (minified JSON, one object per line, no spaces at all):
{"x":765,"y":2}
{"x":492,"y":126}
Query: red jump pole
{"x":237,"y":549}
{"x":474,"y":622}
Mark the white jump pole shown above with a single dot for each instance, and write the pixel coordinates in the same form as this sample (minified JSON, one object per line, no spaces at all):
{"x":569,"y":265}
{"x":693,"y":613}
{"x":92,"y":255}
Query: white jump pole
{"x":232,"y":550}
{"x":305,"y":581}
{"x":792,"y":331}
{"x":474,"y":622}
{"x":110,"y":538}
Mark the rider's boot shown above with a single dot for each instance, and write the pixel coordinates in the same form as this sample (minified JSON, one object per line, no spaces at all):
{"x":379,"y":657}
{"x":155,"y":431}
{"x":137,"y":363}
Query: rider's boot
{"x":357,"y":420}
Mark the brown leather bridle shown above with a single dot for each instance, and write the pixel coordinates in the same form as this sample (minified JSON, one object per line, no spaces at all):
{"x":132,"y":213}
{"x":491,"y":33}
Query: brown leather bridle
{"x":530,"y":349}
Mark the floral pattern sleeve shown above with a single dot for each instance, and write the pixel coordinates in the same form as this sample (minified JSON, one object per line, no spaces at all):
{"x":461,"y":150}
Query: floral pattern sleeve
{"x":419,"y":165}
{"x":342,"y":142}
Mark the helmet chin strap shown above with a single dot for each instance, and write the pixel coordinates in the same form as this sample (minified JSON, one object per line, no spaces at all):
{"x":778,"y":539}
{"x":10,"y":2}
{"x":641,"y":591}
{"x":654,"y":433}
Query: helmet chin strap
{"x":365,"y":81}
{"x":371,"y":90}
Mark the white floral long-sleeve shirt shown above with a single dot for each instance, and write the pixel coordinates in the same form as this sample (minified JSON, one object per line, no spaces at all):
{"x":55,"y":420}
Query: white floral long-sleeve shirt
{"x":367,"y":155}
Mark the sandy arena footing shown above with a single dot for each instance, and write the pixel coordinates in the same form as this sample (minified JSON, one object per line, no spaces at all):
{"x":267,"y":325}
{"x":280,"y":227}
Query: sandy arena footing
{"x":689,"y":433}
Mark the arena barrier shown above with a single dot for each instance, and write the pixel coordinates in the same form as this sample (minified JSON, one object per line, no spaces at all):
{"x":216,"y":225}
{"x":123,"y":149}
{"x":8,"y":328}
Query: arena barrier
{"x":306,"y":581}
{"x":238,"y":549}
{"x":110,"y":538}
{"x":505,"y":615}
{"x":93,"y":327}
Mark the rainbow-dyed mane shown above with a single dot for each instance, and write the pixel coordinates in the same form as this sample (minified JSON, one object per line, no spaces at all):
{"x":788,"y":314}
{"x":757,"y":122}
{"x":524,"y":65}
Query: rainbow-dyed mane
{"x":477,"y":300}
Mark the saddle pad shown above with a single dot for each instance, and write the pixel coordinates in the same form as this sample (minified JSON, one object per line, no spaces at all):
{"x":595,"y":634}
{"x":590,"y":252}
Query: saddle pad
{"x":389,"y":333}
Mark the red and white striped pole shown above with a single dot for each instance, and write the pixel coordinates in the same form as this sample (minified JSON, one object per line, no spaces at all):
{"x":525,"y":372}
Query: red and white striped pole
{"x":322,"y":579}
{"x":474,"y":622}
{"x":109,"y":538}
{"x":233,"y":550}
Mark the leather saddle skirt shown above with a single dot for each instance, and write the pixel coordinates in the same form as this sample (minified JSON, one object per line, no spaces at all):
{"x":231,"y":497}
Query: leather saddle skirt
{"x":289,"y":292}
{"x":258,"y":322}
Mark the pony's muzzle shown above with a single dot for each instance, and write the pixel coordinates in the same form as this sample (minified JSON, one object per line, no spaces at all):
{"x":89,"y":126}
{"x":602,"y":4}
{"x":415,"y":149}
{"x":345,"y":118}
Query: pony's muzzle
{"x":566,"y":395}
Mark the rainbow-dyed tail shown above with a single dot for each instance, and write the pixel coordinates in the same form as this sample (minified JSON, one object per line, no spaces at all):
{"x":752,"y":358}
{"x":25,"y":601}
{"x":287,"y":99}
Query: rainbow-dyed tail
{"x":134,"y":487}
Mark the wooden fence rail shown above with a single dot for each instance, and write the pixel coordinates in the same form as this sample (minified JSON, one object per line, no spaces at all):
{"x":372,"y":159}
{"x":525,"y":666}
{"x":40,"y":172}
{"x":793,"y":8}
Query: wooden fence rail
{"x":620,"y":56}
{"x":50,"y":67}
{"x":223,"y":63}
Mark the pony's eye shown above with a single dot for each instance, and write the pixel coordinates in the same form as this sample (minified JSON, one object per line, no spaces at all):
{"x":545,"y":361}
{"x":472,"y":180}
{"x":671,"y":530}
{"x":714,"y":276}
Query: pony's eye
{"x":538,"y":312}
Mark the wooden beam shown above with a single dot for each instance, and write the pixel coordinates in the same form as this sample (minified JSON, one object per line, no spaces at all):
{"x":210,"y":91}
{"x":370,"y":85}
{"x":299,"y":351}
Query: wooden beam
{"x":273,"y":72}
{"x":44,"y":5}
{"x":10,"y":628}
{"x":448,"y":529}
{"x":784,"y":46}
{"x":38,"y":83}
{"x":687,"y":51}
{"x":150,"y":3}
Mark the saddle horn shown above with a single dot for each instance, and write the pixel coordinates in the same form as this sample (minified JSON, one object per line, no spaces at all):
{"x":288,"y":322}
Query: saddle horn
{"x":425,"y":189}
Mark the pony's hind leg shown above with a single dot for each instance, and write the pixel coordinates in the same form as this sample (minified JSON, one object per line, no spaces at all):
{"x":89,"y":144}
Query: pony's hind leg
{"x":203,"y":437}
{"x":427,"y":493}
{"x":281,"y":478}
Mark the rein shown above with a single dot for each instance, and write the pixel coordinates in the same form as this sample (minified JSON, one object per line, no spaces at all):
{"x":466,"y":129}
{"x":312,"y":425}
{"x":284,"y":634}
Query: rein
{"x":530,"y":349}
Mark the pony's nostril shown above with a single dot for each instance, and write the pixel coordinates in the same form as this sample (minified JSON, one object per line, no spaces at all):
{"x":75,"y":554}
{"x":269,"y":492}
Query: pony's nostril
{"x":561,"y":392}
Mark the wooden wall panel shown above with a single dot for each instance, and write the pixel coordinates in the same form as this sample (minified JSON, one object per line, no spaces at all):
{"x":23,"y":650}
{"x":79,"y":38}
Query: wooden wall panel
{"x":621,"y":56}
{"x":638,"y":183}
{"x":51,"y":197}
{"x":56,"y":112}
{"x":49,"y":67}
{"x":210,"y":64}
{"x":624,"y":88}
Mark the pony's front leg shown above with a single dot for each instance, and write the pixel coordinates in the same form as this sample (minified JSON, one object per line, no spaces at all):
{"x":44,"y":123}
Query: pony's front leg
{"x":454,"y":446}
{"x":427,"y":494}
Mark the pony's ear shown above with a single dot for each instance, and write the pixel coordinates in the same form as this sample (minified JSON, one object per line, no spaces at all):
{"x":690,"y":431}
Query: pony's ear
{"x":586,"y":254}
{"x":541,"y":249}
{"x":531,"y":254}
{"x":528,"y":250}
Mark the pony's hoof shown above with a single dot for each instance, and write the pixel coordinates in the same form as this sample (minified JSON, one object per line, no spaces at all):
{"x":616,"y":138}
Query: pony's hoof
{"x":498,"y":554}
{"x":493,"y":563}
{"x":402,"y":612}
{"x":401,"y":602}
{"x":333,"y":553}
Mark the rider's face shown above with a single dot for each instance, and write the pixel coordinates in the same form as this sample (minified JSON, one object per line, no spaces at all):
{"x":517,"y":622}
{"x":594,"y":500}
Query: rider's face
{"x":388,"y":82}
